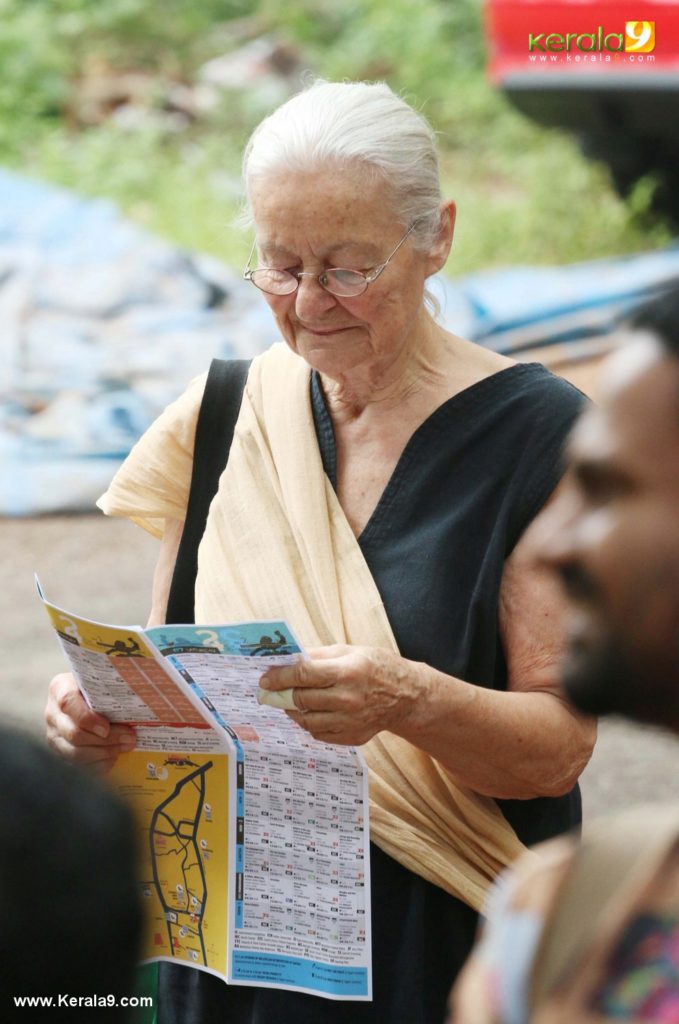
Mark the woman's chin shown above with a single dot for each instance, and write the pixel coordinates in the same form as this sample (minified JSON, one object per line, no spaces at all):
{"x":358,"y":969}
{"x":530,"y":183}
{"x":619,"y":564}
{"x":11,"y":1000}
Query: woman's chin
{"x":332,"y":355}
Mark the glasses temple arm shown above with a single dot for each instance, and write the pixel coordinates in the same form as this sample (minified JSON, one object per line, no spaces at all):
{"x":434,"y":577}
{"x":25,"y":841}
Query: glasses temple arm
{"x":376,"y":271}
{"x":247,"y":269}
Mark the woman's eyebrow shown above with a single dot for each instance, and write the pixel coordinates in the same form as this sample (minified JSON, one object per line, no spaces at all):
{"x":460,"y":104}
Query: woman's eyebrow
{"x":273,"y":251}
{"x":366,"y":249}
{"x":272,"y":247}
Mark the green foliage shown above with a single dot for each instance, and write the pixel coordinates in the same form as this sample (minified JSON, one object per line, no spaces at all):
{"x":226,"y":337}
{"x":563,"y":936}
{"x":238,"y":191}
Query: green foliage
{"x":524,"y":195}
{"x":45,"y":44}
{"x":538,"y":203}
{"x":188,"y":192}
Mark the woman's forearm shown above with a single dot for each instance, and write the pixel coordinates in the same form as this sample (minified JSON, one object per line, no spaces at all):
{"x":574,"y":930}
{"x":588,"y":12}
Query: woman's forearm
{"x":514,"y":745}
{"x":501,"y":744}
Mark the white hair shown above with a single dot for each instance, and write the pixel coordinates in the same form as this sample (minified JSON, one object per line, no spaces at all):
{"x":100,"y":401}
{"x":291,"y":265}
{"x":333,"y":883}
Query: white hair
{"x":355,"y":123}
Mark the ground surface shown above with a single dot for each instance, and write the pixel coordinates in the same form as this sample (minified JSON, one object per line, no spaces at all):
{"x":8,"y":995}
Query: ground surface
{"x":102,"y":568}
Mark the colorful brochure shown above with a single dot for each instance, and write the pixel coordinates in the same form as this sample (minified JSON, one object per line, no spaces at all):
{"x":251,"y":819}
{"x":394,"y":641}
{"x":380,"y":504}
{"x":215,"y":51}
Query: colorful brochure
{"x":255,"y":836}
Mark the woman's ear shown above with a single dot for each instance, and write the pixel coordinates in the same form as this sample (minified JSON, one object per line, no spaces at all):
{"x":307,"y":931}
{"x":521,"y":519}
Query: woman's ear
{"x":440,"y":250}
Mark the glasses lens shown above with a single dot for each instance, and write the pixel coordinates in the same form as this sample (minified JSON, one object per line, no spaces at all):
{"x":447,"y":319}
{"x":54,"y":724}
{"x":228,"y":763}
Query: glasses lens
{"x":276,"y":282}
{"x":344,"y":282}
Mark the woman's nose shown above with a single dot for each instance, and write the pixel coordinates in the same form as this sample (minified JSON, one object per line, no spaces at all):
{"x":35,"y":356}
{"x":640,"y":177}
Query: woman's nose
{"x":311,"y":299}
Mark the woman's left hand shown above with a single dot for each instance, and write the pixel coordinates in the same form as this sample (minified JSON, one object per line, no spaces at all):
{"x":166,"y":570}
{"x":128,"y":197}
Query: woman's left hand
{"x":347,"y":694}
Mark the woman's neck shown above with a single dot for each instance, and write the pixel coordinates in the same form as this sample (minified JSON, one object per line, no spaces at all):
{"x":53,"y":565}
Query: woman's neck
{"x":382,"y":387}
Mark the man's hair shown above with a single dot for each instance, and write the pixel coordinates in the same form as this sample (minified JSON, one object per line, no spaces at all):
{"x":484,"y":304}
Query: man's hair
{"x":660,"y":315}
{"x":70,"y":915}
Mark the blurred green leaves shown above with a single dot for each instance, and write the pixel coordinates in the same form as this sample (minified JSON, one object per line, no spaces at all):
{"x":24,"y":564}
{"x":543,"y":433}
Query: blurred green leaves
{"x":524,"y":194}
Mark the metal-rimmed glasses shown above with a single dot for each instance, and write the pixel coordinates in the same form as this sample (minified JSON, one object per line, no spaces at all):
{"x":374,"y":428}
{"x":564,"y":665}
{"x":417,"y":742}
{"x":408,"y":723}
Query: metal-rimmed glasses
{"x":339,"y":281}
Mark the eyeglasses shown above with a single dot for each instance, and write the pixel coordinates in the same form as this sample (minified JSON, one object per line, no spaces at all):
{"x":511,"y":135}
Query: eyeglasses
{"x":338,"y":280}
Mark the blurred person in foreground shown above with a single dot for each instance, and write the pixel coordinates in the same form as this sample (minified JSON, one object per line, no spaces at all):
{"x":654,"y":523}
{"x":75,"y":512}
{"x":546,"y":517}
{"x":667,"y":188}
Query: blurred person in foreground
{"x":591,"y":933}
{"x":381,"y":477}
{"x":70,"y":914}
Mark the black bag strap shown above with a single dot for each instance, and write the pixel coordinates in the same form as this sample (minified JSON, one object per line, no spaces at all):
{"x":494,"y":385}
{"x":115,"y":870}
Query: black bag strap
{"x":214,"y":433}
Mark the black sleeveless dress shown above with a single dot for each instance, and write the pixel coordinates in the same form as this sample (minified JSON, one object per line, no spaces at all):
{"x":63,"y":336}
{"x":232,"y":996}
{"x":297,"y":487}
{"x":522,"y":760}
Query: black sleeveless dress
{"x":469,"y":481}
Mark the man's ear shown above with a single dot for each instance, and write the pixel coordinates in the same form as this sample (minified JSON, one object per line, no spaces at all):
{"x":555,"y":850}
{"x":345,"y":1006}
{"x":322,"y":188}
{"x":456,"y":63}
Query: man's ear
{"x":440,"y":250}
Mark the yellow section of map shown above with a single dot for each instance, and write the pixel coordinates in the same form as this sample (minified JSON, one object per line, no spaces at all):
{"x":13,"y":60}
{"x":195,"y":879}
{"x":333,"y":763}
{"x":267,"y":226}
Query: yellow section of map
{"x":181,"y":805}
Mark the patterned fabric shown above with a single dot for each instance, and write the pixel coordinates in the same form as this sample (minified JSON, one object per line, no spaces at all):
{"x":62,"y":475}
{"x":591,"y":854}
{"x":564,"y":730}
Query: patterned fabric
{"x":643,"y":973}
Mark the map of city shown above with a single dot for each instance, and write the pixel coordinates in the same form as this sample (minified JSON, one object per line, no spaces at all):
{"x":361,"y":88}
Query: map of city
{"x":253,"y":836}
{"x":177,"y":860}
{"x":181,"y":809}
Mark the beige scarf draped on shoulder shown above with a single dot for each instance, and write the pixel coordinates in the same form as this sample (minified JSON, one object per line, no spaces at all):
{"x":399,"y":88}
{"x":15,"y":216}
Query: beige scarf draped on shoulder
{"x":277,"y":545}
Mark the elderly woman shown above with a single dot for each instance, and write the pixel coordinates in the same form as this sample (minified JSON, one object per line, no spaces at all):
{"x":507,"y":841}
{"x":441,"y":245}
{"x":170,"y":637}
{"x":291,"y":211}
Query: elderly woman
{"x":381,"y":477}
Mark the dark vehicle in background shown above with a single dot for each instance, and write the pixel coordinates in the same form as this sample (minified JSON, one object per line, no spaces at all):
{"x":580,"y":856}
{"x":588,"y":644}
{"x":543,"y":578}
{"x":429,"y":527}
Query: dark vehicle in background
{"x":608,"y":71}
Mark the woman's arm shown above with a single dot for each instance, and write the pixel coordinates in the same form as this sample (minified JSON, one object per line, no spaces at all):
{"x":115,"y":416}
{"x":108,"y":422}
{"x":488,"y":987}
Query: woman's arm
{"x":522,"y":743}
{"x":162,"y":575}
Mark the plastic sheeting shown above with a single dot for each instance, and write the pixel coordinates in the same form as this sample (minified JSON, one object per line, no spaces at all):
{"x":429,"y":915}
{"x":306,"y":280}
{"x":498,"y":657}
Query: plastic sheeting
{"x":103,"y":325}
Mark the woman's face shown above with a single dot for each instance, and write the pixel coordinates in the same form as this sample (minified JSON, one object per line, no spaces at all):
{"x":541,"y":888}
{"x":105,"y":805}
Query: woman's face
{"x":338,"y":218}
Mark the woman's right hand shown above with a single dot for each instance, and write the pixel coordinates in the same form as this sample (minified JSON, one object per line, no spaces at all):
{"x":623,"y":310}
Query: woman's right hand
{"x":80,"y":734}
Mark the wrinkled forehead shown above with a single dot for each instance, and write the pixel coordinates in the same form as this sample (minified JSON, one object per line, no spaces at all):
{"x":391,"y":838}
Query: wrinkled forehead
{"x":340,"y":181}
{"x":323,"y":212}
{"x":345,"y":196}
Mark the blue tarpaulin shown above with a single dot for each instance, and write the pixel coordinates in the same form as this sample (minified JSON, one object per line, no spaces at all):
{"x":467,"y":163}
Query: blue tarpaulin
{"x":104,"y":324}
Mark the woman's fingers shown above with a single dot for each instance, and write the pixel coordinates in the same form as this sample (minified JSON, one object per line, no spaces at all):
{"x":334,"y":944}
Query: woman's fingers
{"x":78,"y":733}
{"x":100,"y":759}
{"x":344,"y":694}
{"x":313,"y":671}
{"x":69,"y":704}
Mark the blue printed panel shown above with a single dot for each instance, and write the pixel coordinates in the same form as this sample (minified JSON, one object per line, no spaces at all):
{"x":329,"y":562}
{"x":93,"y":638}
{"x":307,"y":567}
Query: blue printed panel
{"x":271,"y":969}
{"x":256,"y":639}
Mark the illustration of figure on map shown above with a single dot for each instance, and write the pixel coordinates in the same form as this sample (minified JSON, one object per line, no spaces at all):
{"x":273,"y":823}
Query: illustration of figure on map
{"x":119,"y":647}
{"x":266,"y":645}
{"x":168,"y":644}
{"x":179,"y":762}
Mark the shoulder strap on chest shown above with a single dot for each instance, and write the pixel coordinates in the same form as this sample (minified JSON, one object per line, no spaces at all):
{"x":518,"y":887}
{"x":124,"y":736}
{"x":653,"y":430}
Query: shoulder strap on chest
{"x":214,"y":433}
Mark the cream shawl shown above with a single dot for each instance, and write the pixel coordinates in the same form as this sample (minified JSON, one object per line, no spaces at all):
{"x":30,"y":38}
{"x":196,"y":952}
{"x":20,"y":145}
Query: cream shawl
{"x":277,"y":545}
